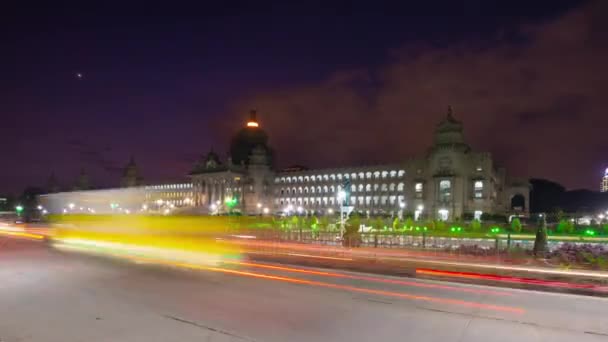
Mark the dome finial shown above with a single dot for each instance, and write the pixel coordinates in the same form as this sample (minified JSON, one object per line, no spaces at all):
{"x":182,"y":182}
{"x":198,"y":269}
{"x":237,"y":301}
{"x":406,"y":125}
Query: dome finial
{"x":253,"y":120}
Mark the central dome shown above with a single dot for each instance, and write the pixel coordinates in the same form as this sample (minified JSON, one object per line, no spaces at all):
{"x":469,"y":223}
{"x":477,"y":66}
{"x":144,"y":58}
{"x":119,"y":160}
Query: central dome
{"x":248,"y":138}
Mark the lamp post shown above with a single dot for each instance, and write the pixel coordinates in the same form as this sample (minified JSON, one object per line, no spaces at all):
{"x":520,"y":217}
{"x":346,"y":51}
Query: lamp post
{"x":341,"y":199}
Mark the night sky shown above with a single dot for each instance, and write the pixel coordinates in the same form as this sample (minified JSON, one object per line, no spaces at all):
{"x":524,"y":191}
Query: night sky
{"x":334,"y":85}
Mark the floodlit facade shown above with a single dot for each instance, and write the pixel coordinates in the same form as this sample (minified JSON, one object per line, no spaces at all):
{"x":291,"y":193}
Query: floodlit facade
{"x":450,"y":181}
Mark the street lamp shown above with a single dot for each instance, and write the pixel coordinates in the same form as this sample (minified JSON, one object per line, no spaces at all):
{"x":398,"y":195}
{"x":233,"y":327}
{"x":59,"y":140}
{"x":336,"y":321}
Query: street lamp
{"x":71,"y":206}
{"x":266,"y":210}
{"x":330,"y":211}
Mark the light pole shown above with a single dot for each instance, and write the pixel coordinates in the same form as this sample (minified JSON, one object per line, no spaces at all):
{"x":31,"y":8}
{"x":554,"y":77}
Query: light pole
{"x":341,"y":198}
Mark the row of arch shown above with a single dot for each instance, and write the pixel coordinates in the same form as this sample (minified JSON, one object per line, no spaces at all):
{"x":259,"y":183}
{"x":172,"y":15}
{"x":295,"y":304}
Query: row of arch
{"x":355,"y":200}
{"x":333,"y":177}
{"x":353,"y":188}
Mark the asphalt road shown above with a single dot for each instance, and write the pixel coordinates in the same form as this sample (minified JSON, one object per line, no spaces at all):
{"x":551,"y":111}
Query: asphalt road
{"x":50,"y":295}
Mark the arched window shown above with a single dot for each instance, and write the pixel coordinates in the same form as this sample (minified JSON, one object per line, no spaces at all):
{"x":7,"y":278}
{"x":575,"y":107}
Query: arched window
{"x":294,"y":179}
{"x":305,"y":201}
{"x":325,"y":177}
{"x":384,"y":174}
{"x":361,"y":175}
{"x":368,"y":187}
{"x":332,"y":189}
{"x":306,"y":179}
{"x":331,"y":201}
{"x":400,"y":187}
{"x":391,"y":187}
{"x":376,"y":200}
{"x":339,"y":176}
{"x":377,"y":174}
{"x":288,"y":180}
{"x":360,"y":187}
{"x":445,"y":189}
{"x":300,"y":190}
{"x":368,"y":175}
{"x":346,"y":176}
{"x":325,"y":188}
{"x":376,"y":187}
{"x":384,"y":187}
{"x":313,"y":178}
{"x":293,"y":191}
{"x":353,"y":188}
{"x":318,"y":189}
{"x":478,"y":189}
{"x":319,"y":178}
{"x":401,"y":173}
{"x":300,"y":179}
{"x":312,"y":189}
{"x":305,"y":189}
{"x":288,"y":191}
{"x":393,"y":174}
{"x":332,"y":177}
{"x":353,"y":176}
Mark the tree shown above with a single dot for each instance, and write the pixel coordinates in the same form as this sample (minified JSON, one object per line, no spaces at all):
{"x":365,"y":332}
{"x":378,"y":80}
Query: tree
{"x":295,"y":222}
{"x":378,"y":224}
{"x":314,"y":222}
{"x":516,"y":225}
{"x":408,"y":222}
{"x":324,"y":223}
{"x":352,"y":237}
{"x":540,"y":242}
{"x":565,"y":226}
{"x":396,"y":224}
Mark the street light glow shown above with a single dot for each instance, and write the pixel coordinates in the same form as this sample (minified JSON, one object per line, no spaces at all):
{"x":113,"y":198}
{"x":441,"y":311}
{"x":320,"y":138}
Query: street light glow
{"x":266,"y":210}
{"x":71,"y":205}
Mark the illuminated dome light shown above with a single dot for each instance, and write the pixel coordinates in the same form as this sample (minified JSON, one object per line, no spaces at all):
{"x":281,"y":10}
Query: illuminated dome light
{"x":253,"y":122}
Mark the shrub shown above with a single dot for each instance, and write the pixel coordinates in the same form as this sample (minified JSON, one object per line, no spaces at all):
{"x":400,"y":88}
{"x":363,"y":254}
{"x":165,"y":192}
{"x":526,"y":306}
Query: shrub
{"x":515,"y":225}
{"x":565,"y":227}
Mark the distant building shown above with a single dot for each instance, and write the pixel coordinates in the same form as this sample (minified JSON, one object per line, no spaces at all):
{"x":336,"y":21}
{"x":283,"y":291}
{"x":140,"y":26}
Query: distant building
{"x":130,"y":175}
{"x":604,"y":183}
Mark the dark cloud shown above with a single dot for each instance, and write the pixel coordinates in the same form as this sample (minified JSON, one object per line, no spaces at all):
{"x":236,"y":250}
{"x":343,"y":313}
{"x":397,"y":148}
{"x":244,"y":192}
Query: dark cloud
{"x":537,"y":102}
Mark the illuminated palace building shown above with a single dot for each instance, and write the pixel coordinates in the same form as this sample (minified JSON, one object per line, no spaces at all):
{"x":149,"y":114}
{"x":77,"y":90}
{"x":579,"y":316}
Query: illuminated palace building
{"x":450,"y":182}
